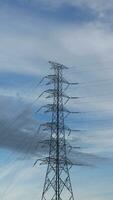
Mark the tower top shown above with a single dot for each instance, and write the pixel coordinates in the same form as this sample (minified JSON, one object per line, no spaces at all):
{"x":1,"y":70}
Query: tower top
{"x":56,"y":65}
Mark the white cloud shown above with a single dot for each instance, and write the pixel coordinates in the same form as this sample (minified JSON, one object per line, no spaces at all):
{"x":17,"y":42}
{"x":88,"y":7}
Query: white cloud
{"x":96,"y":5}
{"x":20,"y":178}
{"x":102,"y":142}
{"x":99,"y":6}
{"x":29,"y":44}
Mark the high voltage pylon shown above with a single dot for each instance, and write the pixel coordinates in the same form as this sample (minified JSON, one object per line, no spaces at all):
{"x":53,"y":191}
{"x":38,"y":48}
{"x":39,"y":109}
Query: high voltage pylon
{"x":57,"y":184}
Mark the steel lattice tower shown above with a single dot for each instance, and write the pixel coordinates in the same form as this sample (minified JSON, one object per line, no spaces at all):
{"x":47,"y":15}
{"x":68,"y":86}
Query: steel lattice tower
{"x":57,"y":184}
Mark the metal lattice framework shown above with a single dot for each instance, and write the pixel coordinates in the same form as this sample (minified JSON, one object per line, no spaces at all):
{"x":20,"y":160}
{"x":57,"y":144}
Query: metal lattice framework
{"x":57,"y":184}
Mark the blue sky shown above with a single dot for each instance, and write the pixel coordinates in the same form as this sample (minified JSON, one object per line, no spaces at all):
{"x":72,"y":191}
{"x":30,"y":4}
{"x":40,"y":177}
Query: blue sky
{"x":79,"y":34}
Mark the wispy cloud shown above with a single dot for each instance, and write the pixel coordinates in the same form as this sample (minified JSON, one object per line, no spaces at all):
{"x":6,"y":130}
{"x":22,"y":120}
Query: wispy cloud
{"x":66,"y":43}
{"x":100,"y":7}
{"x":19,"y":133}
{"x":28,"y":40}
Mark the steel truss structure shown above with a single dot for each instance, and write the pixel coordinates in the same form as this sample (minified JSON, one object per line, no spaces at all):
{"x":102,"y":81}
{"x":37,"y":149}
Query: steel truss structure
{"x":57,"y":184}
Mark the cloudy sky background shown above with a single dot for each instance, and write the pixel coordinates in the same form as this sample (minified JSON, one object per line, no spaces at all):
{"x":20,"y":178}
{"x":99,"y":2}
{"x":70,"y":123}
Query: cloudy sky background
{"x":79,"y":34}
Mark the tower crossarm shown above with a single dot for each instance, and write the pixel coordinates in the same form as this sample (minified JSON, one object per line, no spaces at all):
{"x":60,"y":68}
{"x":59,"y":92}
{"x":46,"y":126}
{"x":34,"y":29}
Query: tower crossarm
{"x":56,"y":65}
{"x":53,"y":108}
{"x":47,"y":160}
{"x":53,"y":79}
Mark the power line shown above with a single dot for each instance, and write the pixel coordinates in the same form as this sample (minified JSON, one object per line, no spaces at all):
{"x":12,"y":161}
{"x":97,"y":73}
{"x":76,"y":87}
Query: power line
{"x":94,"y":69}
{"x":94,"y":83}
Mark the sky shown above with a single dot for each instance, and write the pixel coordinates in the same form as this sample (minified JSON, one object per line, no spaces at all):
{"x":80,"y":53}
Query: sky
{"x":78,"y":34}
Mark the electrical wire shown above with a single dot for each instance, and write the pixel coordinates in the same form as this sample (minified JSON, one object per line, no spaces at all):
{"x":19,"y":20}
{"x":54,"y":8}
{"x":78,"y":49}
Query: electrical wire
{"x":30,"y":146}
{"x":94,"y":83}
{"x":93,"y":102}
{"x":91,"y":111}
{"x":93,"y":70}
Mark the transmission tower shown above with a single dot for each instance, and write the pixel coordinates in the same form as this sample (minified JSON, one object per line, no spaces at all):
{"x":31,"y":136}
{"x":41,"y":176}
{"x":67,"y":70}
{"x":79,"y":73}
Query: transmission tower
{"x":57,"y":184}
